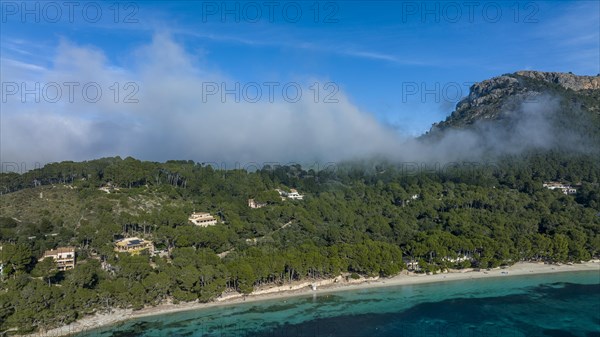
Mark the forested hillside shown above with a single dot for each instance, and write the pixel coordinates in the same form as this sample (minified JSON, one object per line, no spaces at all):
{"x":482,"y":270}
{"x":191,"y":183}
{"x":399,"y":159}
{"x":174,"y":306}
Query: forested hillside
{"x":373,"y":217}
{"x":361,"y":218}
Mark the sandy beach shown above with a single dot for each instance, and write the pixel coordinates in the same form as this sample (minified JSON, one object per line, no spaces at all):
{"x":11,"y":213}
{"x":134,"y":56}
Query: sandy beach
{"x":322,"y":286}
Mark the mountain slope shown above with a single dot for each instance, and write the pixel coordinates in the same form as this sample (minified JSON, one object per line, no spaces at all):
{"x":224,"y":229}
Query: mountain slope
{"x":520,"y":113}
{"x":492,"y":99}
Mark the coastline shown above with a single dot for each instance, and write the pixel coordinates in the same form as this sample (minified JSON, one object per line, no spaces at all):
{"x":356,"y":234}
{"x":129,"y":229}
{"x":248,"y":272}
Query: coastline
{"x":301,"y":288}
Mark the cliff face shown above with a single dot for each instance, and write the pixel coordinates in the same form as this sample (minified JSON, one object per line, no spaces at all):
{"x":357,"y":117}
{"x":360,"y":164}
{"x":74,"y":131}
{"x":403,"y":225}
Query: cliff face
{"x":489,"y":99}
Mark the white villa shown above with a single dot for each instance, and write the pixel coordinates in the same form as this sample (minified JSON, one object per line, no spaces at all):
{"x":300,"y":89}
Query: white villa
{"x":295,"y":195}
{"x":202,"y":219}
{"x":64,"y":257}
{"x":566,"y":189}
{"x":412,"y":264}
{"x":292,"y":194}
{"x":458,"y":259}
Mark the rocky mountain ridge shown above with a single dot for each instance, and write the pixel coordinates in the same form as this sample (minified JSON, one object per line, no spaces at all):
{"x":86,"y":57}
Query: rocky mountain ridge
{"x":487,"y":100}
{"x":566,"y":80}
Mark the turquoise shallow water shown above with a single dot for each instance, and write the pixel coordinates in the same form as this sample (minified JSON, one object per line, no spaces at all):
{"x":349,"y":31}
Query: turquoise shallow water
{"x":562,"y":304}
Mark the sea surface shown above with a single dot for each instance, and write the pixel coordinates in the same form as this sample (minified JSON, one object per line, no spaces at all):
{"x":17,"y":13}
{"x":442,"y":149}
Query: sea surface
{"x":561,"y":304}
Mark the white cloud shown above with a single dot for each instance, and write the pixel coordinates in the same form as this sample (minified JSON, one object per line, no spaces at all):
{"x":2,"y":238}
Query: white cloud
{"x":171,"y":120}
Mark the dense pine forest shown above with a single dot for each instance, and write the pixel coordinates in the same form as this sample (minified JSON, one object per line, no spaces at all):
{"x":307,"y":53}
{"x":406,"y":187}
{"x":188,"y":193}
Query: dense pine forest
{"x":356,"y":219}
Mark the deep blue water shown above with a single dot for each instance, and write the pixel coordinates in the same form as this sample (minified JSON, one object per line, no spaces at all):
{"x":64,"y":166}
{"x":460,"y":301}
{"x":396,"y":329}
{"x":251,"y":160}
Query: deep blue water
{"x":563,"y":304}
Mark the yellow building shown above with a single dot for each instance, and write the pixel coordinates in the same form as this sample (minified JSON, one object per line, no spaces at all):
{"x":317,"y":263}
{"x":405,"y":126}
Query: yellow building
{"x":64,"y":257}
{"x":133,"y":246}
{"x":202,"y":219}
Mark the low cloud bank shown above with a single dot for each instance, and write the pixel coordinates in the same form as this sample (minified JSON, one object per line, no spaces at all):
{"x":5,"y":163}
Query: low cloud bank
{"x":165,"y":106}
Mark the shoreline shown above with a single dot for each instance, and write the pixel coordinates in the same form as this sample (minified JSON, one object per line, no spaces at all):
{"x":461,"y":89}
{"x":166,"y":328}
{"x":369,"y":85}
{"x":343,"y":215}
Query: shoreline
{"x":300,"y":288}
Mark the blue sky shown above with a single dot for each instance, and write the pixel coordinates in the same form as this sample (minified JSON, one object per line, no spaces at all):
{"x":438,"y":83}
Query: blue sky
{"x":373,"y":52}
